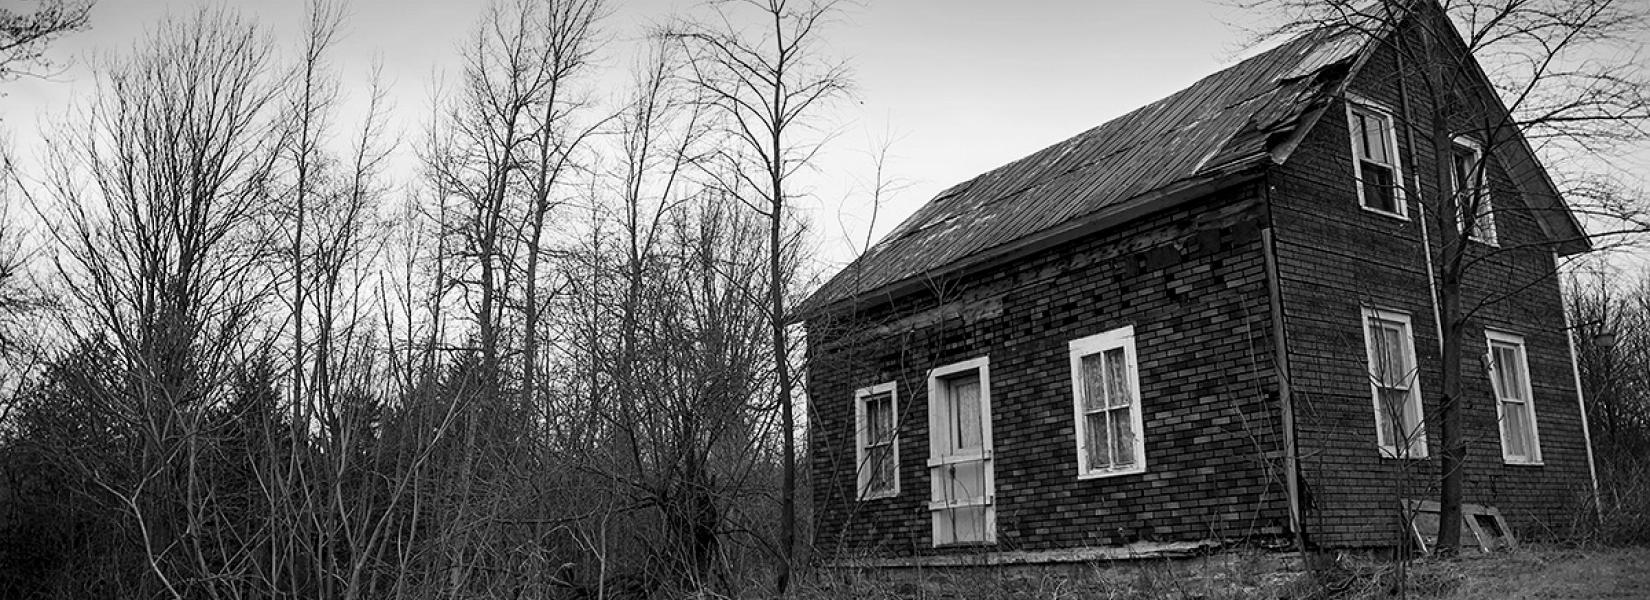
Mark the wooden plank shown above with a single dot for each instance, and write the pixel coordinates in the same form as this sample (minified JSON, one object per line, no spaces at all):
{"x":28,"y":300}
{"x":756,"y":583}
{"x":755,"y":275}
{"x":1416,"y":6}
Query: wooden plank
{"x":1135,"y":551}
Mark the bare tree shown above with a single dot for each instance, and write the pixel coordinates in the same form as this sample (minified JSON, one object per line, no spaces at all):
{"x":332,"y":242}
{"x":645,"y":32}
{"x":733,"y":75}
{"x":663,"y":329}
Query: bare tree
{"x":567,"y":28}
{"x":158,"y":194}
{"x":25,"y":35}
{"x":512,"y":142}
{"x":18,"y":299}
{"x":1610,"y":308}
{"x":23,"y":39}
{"x":769,"y":88}
{"x":1562,"y":91}
{"x":563,"y":357}
{"x":309,"y":104}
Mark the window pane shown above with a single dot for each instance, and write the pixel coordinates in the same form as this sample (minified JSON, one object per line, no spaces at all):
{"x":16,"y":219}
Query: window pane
{"x":1391,"y":368}
{"x":1464,"y":162}
{"x":1117,"y":379}
{"x":1474,"y":205}
{"x":1393,"y":417}
{"x":881,"y":467}
{"x":1098,"y":442}
{"x":1122,"y":437}
{"x":945,"y":530}
{"x":964,"y":524}
{"x":1412,"y":416}
{"x":1094,"y":388}
{"x":1380,"y":362}
{"x":1516,"y":428}
{"x":1397,"y":360}
{"x":1511,"y":372}
{"x":1375,"y":139}
{"x":962,"y":481}
{"x":965,"y":398}
{"x":1378,"y":187}
{"x":879,"y":416}
{"x":1360,"y":134}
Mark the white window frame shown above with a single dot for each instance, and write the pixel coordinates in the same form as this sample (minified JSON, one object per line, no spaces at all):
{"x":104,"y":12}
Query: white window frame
{"x":1095,"y":344}
{"x":939,"y":426}
{"x":1354,"y":105}
{"x":942,"y":453}
{"x":1413,"y":407}
{"x":862,"y":435}
{"x":1493,"y":338}
{"x":1483,"y":230}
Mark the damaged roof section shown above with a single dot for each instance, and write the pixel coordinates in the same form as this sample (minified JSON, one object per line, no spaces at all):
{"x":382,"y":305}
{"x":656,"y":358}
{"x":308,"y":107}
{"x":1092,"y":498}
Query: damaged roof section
{"x":1247,"y":115}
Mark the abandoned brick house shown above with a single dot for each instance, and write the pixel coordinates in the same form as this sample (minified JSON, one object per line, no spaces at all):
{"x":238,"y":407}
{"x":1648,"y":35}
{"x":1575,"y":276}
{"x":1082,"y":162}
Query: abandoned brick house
{"x":1126,"y":338}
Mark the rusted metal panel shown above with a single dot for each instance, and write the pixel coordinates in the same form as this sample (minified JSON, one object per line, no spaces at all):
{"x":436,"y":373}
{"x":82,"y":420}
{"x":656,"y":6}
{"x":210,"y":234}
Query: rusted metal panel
{"x":1227,"y":117}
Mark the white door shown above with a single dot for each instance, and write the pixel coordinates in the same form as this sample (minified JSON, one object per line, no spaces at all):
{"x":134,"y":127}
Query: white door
{"x":962,"y":483}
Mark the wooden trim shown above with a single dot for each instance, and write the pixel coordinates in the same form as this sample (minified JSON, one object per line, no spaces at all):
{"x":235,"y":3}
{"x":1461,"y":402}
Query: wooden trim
{"x":1135,"y":551}
{"x":1280,"y":367}
{"x":1581,"y":402}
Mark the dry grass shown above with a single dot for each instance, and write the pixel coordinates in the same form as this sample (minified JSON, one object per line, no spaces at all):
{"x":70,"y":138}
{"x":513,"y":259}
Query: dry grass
{"x":1521,"y":574}
{"x":1228,"y":576}
{"x":1542,"y":573}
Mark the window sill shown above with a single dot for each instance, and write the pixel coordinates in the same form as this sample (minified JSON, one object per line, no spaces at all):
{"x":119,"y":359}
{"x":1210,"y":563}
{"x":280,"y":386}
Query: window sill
{"x":1106,"y":474}
{"x":1523,"y":463}
{"x":967,"y":545}
{"x":879,"y":495}
{"x":1489,"y":242}
{"x":1390,"y":454}
{"x":1385,"y":213}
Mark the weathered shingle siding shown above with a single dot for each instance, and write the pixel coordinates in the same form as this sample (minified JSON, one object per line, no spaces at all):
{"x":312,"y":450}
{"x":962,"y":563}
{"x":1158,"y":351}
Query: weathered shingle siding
{"x":1335,"y":258}
{"x":1190,"y":280}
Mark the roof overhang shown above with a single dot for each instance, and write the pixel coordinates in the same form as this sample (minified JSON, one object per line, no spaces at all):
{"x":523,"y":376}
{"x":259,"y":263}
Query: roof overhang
{"x":1232,"y":173}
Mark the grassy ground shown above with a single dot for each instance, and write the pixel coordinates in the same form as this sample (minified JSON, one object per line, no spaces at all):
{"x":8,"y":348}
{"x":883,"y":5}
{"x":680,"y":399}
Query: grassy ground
{"x":1544,"y":574}
{"x":1531,"y":573}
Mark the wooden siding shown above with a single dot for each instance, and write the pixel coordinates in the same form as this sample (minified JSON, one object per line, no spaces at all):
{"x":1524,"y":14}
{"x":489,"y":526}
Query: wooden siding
{"x":1335,"y":258}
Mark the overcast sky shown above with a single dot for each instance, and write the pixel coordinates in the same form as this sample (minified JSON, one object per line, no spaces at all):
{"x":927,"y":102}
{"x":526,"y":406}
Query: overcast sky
{"x":960,"y":86}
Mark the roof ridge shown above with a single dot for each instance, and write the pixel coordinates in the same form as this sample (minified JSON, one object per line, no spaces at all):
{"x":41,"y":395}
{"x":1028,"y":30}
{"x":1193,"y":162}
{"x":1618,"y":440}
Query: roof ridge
{"x":954,"y":190}
{"x":1170,"y":139}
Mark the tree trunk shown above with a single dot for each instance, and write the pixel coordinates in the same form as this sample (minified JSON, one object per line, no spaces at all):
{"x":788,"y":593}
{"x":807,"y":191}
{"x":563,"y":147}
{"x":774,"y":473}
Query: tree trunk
{"x":782,"y":372}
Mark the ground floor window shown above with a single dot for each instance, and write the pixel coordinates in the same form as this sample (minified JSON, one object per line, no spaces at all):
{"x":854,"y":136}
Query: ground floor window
{"x":1514,"y":404}
{"x":876,"y":413}
{"x":962,"y":502}
{"x":1106,"y":392}
{"x":1394,"y":383}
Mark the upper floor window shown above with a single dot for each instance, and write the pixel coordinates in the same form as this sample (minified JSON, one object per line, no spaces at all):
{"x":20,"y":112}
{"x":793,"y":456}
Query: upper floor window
{"x":1395,"y":384}
{"x":1375,"y":158}
{"x":1510,"y":378}
{"x":1105,"y":385}
{"x":1472,"y":197}
{"x":876,"y":412}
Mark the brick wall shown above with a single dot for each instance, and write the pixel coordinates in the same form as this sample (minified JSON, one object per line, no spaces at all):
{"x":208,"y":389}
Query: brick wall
{"x":1190,"y":280}
{"x":1335,"y":258}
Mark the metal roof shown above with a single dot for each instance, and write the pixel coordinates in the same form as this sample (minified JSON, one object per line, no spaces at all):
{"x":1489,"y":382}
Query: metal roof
{"x":1235,"y":118}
